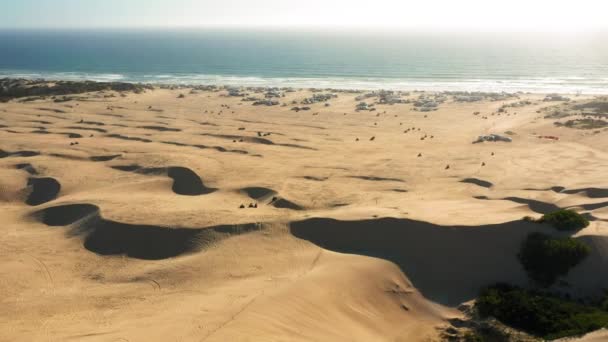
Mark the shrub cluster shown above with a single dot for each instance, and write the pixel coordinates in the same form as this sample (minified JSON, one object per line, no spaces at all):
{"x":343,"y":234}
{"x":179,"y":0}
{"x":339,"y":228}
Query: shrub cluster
{"x":17,"y":88}
{"x":565,"y":220}
{"x":546,"y":258}
{"x":539,"y":314}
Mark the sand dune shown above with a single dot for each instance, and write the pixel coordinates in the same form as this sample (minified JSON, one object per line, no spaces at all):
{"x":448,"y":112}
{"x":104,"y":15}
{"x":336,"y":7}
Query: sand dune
{"x":107,"y":237}
{"x":270,"y":224}
{"x":27,"y":168}
{"x":185,"y":181}
{"x":467,"y":258}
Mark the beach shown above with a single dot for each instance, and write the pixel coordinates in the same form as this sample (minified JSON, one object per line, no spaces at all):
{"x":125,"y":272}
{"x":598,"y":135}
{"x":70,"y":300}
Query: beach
{"x":253,"y":214}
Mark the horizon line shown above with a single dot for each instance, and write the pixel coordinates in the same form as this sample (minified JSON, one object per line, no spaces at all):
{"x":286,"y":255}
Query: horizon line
{"x":301,"y":28}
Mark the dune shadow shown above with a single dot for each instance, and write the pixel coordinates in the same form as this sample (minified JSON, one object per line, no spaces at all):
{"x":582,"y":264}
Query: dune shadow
{"x":258,"y":193}
{"x":448,"y":264}
{"x":43,"y":190}
{"x":271,"y":197}
{"x":147,"y":242}
{"x":5,"y":154}
{"x":124,"y":137}
{"x":205,"y":147}
{"x":104,"y":158}
{"x":589,"y":277}
{"x":185,"y":181}
{"x":27,"y":167}
{"x":589,"y":192}
{"x":591,"y":206}
{"x":53,"y":110}
{"x":591,"y":218}
{"x":534,"y":205}
{"x":94,"y":129}
{"x":160,"y":128}
{"x":64,"y":215}
{"x":126,"y":168}
{"x":378,"y":179}
{"x":96,"y":123}
{"x":138,"y":241}
{"x":314,"y":178}
{"x":256,"y":140}
{"x":39,"y":121}
{"x":478,"y":182}
{"x":71,"y":135}
{"x":111,"y":115}
{"x":282,"y":203}
{"x":544,"y":207}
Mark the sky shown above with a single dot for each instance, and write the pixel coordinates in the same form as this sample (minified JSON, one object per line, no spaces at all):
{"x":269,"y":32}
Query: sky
{"x":490,"y":15}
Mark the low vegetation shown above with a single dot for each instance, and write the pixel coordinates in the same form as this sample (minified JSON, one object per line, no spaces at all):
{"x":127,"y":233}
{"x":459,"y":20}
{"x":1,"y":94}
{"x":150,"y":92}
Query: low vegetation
{"x":19,"y":88}
{"x":537,"y":313}
{"x":599,"y":106}
{"x":473,"y":337}
{"x":565,"y":220}
{"x":597,"y":109}
{"x":547,"y":258}
{"x":492,"y":330}
{"x":562,"y":220}
{"x":583,"y":124}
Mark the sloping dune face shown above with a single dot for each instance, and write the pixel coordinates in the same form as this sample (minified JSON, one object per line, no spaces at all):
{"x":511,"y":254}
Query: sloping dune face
{"x":67,"y":214}
{"x":206,"y":218}
{"x":148,"y":242}
{"x":348,"y":291}
{"x":43,"y":190}
{"x":467,"y":258}
{"x":186,"y":182}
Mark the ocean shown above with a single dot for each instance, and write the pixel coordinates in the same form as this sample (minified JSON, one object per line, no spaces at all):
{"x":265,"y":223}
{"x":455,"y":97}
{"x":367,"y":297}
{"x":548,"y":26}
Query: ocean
{"x":455,"y":61}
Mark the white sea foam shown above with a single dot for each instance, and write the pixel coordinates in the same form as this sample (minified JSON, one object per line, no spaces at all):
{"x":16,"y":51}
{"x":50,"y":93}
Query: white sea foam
{"x":570,"y":84}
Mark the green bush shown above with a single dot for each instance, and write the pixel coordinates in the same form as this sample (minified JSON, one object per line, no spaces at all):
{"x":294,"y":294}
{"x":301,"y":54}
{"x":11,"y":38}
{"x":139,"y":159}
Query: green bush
{"x":529,"y":219}
{"x":539,"y":314}
{"x":566,"y":220}
{"x":546,"y":258}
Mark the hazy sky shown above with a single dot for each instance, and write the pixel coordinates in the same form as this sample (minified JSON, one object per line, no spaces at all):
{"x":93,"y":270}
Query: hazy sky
{"x":538,"y":15}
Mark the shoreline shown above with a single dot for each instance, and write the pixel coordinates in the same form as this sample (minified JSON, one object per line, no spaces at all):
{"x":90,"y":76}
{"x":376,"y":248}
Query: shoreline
{"x":315,"y":88}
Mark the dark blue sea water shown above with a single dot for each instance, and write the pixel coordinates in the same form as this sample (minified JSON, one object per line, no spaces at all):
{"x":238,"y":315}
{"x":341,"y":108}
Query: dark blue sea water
{"x":430,"y":61}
